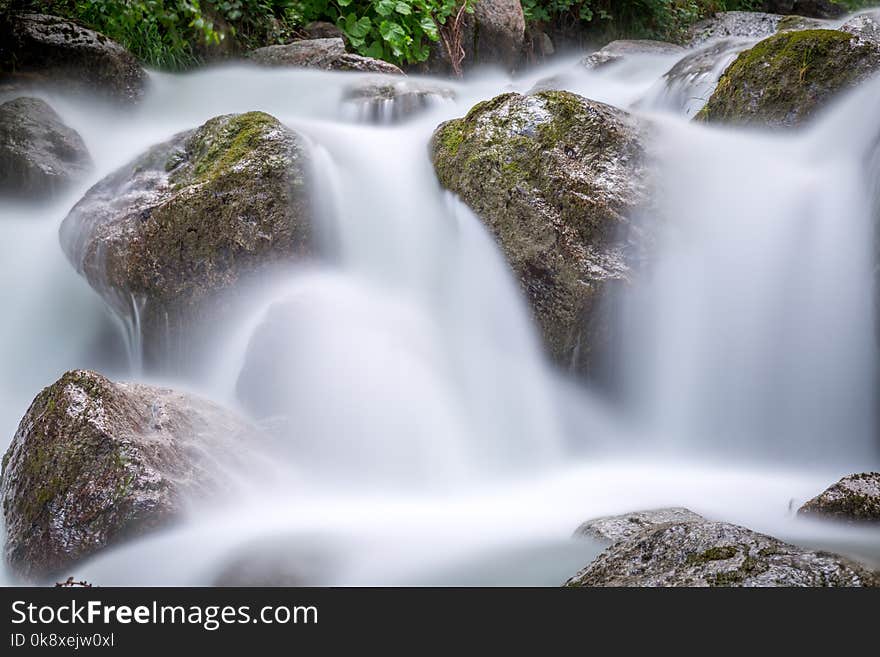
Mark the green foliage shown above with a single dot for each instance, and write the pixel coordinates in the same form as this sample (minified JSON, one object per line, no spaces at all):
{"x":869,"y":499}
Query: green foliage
{"x":399,"y":31}
{"x":168,"y":34}
{"x":653,"y":19}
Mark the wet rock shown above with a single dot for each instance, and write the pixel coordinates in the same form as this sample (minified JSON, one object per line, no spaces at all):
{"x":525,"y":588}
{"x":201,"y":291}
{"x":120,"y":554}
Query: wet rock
{"x":39,"y":48}
{"x":785,"y":79}
{"x":809,"y":8}
{"x":39,"y":154}
{"x":616,"y":528}
{"x":95,"y":462}
{"x":618,"y":50}
{"x":855,"y":498}
{"x":327,"y":54}
{"x":705,"y":553}
{"x":161,"y":238}
{"x":740,"y":24}
{"x":384,"y":102}
{"x":865,"y":27}
{"x":557,"y":178}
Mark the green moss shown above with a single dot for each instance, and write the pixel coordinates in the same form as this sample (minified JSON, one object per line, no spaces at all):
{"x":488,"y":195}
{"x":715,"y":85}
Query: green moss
{"x":225,"y":141}
{"x":718,"y":553}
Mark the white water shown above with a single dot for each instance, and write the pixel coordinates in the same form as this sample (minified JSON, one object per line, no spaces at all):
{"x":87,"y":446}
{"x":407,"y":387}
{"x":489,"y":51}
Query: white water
{"x":432,"y":442}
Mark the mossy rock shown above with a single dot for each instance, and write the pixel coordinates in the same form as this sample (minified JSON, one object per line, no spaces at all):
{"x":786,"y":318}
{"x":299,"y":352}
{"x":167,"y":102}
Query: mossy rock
{"x":855,"y":498}
{"x":785,"y":79}
{"x":707,"y":553}
{"x":161,"y":238}
{"x":41,"y":48}
{"x":558,"y":179}
{"x":94,"y":462}
{"x":39,"y":155}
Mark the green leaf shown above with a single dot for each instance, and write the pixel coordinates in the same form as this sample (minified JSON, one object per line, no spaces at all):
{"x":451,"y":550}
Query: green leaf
{"x":375,"y":50}
{"x":385,"y":7}
{"x":392,"y":33}
{"x":429,"y":27}
{"x":403,"y":9}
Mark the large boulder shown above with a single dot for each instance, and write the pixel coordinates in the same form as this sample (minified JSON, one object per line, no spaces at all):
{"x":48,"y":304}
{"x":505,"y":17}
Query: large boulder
{"x":785,"y":79}
{"x":62,"y":52}
{"x":163,"y":236}
{"x":327,"y":54}
{"x":558,"y":179}
{"x":705,"y":553}
{"x":621,"y":49}
{"x":810,"y":8}
{"x":95,"y":462}
{"x":736,"y":24}
{"x":39,"y":154}
{"x":855,"y":498}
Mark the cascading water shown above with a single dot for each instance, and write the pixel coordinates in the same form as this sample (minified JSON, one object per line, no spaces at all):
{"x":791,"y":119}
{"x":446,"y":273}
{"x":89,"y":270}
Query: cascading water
{"x":429,"y":440}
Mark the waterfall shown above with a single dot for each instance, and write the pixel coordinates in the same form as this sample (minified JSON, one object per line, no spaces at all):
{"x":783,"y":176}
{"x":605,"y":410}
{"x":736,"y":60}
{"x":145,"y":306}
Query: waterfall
{"x":423,"y":435}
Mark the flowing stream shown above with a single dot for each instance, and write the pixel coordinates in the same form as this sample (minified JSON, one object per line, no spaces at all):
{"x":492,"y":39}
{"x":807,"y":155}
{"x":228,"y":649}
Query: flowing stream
{"x":435,"y":443}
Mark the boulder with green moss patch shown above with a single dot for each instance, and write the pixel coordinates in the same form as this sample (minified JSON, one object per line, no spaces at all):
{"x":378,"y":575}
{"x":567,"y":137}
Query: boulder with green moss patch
{"x":95,"y":462}
{"x":706,"y":553}
{"x":784,"y":80}
{"x":161,"y":238}
{"x":558,"y":179}
{"x":855,"y":498}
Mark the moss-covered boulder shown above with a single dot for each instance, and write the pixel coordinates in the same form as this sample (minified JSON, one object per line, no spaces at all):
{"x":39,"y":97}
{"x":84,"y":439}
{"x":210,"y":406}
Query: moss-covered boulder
{"x":558,"y":179}
{"x":855,"y":498}
{"x":785,"y":79}
{"x":705,"y":553}
{"x":40,"y":48}
{"x":328,"y":54}
{"x":95,"y":462}
{"x":39,"y":154}
{"x":161,"y":238}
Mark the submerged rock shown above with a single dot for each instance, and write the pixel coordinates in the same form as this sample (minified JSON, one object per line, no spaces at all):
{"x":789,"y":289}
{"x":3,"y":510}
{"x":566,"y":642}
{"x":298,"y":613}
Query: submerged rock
{"x":618,"y":50}
{"x":784,"y":80}
{"x":385,"y":101}
{"x":855,"y":498}
{"x":95,"y":462}
{"x":557,"y":178}
{"x":687,"y":86}
{"x":739,"y":24}
{"x":163,"y":236}
{"x":39,"y":154}
{"x":35,"y":47}
{"x":706,"y":553}
{"x":616,"y":528}
{"x":327,"y":54}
